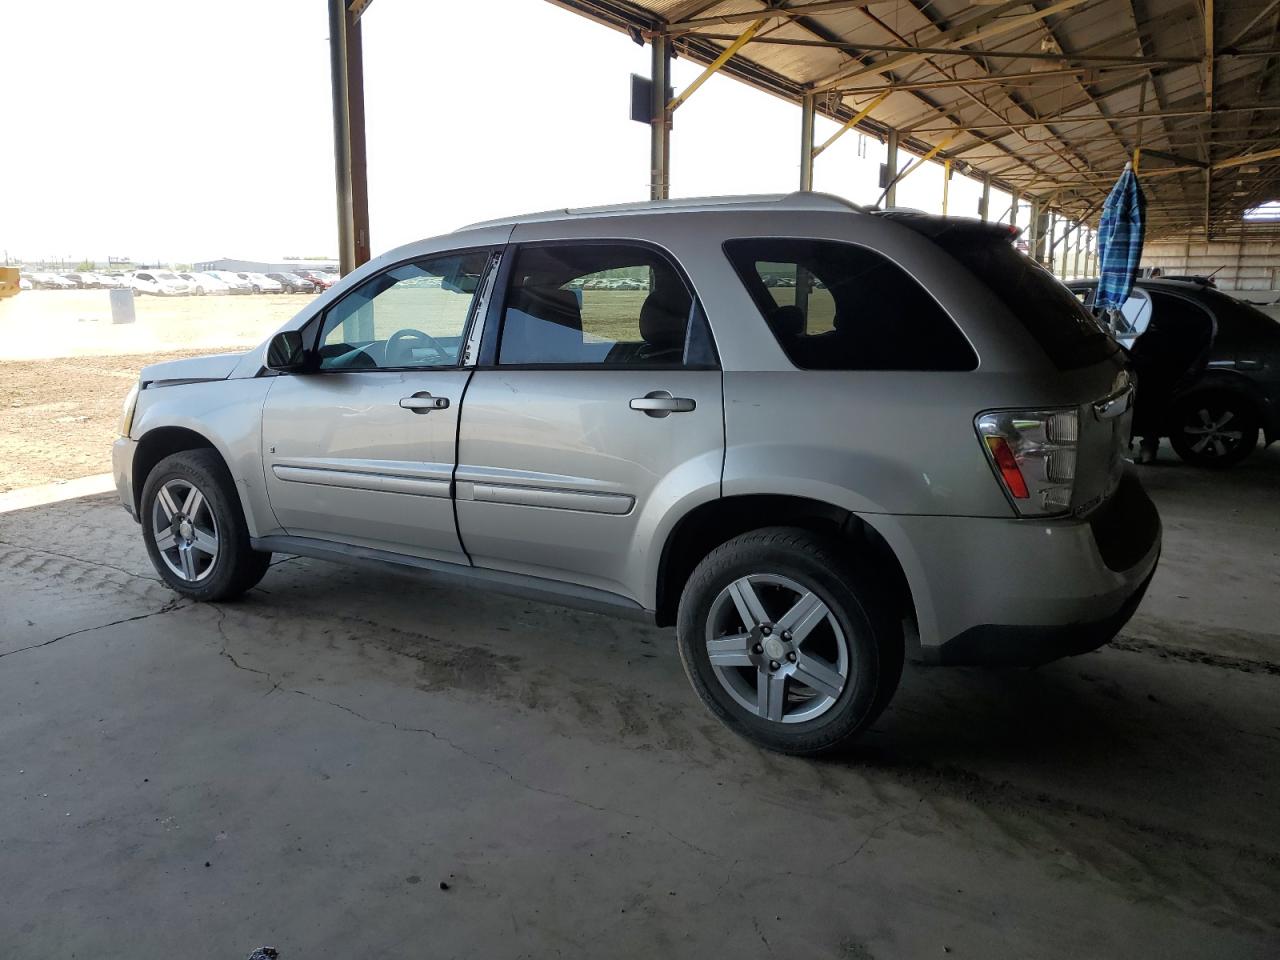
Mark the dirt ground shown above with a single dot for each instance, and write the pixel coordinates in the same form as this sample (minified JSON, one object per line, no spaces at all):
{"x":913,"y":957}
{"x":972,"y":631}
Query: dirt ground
{"x":65,"y":368}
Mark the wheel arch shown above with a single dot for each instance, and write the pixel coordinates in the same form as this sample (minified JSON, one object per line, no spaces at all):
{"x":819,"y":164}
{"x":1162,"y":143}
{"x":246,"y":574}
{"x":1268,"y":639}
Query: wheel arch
{"x":714,"y":522}
{"x":161,"y":442}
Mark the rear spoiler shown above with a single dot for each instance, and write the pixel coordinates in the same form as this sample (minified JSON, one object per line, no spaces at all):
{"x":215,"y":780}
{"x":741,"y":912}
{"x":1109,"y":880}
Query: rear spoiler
{"x":933,"y":226}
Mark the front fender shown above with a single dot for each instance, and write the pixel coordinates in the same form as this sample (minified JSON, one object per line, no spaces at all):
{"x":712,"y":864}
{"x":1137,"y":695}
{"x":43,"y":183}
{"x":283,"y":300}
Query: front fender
{"x":227,"y":413}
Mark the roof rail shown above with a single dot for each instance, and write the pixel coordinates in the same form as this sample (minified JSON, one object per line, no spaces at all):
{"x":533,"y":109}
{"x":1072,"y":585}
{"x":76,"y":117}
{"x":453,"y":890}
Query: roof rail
{"x":799,"y":200}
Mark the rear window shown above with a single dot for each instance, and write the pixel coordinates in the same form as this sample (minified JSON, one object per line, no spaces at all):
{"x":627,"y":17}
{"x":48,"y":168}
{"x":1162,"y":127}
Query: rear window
{"x":839,"y":306}
{"x":1241,"y":327}
{"x":1050,"y":312}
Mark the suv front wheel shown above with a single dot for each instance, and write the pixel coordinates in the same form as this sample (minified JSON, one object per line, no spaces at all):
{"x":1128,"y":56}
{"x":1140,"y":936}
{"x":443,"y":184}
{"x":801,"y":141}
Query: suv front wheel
{"x":788,"y":642}
{"x":195,"y":531}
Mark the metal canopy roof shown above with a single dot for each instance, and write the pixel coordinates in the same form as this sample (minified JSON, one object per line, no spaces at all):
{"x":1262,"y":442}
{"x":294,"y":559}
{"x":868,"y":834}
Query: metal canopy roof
{"x":1049,"y":98}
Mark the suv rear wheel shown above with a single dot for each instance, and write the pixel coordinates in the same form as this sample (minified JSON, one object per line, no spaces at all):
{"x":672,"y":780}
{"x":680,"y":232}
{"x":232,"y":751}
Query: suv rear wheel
{"x":194,"y":528}
{"x":1214,"y":429}
{"x":788,"y":642}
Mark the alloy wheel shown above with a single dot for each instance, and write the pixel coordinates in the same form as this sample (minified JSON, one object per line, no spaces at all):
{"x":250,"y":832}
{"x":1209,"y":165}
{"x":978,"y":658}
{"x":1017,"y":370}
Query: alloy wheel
{"x":777,"y":648}
{"x":185,"y":530}
{"x":1210,"y":434}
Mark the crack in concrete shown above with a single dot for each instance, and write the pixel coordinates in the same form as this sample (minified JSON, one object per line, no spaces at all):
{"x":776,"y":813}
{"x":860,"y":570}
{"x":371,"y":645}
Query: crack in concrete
{"x":168,"y":607}
{"x":75,"y":559}
{"x":523,"y":784}
{"x":224,"y":652}
{"x":888,"y":821}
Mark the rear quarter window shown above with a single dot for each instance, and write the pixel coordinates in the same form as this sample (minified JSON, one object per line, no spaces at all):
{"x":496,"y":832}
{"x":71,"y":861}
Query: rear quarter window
{"x":1047,"y":309}
{"x":839,"y":306}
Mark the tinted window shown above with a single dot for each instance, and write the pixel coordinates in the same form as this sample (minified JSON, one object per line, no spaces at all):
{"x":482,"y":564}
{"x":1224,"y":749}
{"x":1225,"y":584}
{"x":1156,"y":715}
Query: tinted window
{"x":1241,"y":327}
{"x":413,"y":315}
{"x":1046,"y":308}
{"x":837,"y":306}
{"x":596,"y":304}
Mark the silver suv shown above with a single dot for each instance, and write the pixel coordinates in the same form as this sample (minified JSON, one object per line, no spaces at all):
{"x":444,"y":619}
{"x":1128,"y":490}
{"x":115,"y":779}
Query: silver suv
{"x":814,"y":438}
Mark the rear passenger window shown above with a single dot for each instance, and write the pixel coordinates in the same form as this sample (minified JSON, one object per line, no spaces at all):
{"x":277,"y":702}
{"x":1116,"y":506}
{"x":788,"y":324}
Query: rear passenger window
{"x":838,"y":306}
{"x":599,"y":303}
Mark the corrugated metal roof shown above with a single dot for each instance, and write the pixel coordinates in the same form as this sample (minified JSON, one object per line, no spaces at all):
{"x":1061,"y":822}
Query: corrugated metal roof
{"x":1050,"y":98}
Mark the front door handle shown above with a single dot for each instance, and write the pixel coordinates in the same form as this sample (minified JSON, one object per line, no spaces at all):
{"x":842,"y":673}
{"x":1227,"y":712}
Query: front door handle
{"x":424,"y":403}
{"x":660,"y":403}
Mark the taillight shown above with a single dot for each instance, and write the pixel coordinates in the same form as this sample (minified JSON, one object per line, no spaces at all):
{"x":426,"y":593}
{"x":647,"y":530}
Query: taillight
{"x":1033,"y":452}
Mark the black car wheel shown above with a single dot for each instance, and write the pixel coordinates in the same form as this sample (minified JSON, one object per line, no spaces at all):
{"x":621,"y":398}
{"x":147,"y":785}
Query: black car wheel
{"x":789,"y":641}
{"x":1214,"y":429}
{"x":194,"y":528}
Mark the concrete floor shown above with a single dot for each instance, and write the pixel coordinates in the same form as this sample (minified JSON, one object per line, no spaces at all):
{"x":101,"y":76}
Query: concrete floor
{"x":306,"y":768}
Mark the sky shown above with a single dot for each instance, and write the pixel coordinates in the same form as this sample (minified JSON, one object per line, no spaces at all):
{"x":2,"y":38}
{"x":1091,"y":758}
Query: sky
{"x":174,"y":132}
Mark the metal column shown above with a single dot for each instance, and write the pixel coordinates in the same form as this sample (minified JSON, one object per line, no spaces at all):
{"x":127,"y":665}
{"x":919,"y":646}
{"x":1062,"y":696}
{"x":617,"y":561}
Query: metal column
{"x":891,"y":165}
{"x":946,"y":184}
{"x":660,"y":124}
{"x":1014,"y":199}
{"x":351,"y":183}
{"x":806,"y":141}
{"x":984,"y":204}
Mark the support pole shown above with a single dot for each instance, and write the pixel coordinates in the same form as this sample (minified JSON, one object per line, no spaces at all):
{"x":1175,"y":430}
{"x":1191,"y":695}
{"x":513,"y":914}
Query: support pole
{"x":946,"y":184}
{"x":984,"y":204}
{"x":806,"y":141}
{"x":338,"y":72}
{"x":890,"y":196}
{"x":346,"y":66}
{"x":1075,"y":268}
{"x":359,"y":168}
{"x":1015,"y":199}
{"x":660,"y":124}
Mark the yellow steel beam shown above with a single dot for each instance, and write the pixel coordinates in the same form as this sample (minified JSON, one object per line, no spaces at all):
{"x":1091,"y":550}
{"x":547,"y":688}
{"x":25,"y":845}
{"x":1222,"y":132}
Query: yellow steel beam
{"x":717,"y":63}
{"x":1246,"y":158}
{"x":977,"y":28}
{"x":933,"y":152}
{"x":852,"y":122}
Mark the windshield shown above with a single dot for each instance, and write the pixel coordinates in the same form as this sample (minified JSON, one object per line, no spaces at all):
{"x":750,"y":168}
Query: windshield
{"x":1046,"y":308}
{"x":166,"y":276}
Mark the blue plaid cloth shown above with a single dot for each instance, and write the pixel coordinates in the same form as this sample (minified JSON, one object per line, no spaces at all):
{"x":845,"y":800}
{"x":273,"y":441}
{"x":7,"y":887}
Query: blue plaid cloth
{"x":1120,"y":240}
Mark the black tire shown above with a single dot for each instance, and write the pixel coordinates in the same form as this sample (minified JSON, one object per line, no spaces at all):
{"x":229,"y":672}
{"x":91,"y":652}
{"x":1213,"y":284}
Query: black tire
{"x":236,"y":567}
{"x":1232,"y":417}
{"x":854,"y":597}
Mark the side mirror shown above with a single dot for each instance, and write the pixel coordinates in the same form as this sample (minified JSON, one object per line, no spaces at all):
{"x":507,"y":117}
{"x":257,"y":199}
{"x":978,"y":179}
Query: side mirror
{"x":287,"y":354}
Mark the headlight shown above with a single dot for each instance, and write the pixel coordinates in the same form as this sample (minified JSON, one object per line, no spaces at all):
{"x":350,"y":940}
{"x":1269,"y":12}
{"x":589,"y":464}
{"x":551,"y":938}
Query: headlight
{"x":126,"y":415}
{"x":1033,"y":452}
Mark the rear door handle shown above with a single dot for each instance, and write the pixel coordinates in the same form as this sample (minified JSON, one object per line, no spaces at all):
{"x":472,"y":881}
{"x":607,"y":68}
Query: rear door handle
{"x":660,"y":403}
{"x":424,"y":403}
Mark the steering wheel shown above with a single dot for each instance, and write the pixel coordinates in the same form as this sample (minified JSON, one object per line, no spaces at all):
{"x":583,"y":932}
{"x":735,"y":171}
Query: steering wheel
{"x":400,"y":346}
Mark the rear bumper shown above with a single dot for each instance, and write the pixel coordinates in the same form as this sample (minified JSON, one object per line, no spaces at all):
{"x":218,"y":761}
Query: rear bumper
{"x":122,"y":469}
{"x":1020,"y":645}
{"x":996,"y":591}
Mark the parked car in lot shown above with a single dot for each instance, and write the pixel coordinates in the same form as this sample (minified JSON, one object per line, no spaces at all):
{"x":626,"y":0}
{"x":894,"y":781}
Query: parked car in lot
{"x":24,"y":283}
{"x":83,"y":281}
{"x":261,"y":283}
{"x":293,"y":283}
{"x":51,"y":281}
{"x":109,"y":281}
{"x":159,"y":283}
{"x":323,"y":281}
{"x":924,"y":457}
{"x":1208,"y":368}
{"x":203,"y":284}
{"x":233,"y":281}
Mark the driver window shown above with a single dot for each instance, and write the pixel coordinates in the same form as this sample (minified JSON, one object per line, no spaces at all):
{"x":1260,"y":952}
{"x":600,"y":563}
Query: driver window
{"x":413,"y":315}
